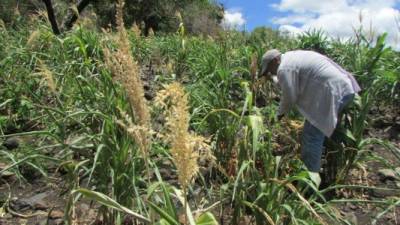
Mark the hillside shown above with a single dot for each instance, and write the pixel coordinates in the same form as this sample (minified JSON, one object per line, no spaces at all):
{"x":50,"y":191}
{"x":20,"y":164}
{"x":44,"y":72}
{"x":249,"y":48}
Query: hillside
{"x":131,"y":126}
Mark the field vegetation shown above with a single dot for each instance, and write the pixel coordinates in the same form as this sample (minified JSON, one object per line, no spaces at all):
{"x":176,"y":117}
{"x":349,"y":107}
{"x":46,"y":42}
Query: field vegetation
{"x":172,"y":126}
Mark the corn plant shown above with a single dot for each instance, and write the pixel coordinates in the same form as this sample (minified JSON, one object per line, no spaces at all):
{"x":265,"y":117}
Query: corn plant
{"x":340,"y":157}
{"x":81,"y":97}
{"x":314,"y":40}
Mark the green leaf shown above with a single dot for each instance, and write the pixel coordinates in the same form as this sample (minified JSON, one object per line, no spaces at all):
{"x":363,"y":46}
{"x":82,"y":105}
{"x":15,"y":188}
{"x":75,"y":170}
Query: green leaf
{"x":96,"y":157}
{"x":163,"y":222}
{"x":315,"y":178}
{"x":5,"y":102}
{"x":350,"y":135}
{"x":163,"y":214}
{"x":243,"y":167}
{"x":168,"y":205}
{"x":206,"y":219}
{"x":249,"y":96}
{"x":168,"y":201}
{"x":182,"y":199}
{"x":256,"y":125}
{"x":109,"y":202}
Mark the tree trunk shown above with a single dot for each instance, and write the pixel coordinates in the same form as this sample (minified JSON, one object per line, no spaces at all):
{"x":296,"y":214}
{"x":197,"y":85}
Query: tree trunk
{"x":72,"y":16}
{"x":51,"y":16}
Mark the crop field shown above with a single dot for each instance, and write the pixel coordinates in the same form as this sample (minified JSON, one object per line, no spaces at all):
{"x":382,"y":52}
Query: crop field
{"x":117,"y":127}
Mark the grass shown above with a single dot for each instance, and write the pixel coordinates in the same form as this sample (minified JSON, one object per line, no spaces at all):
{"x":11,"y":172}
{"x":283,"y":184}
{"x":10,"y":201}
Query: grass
{"x":81,"y":97}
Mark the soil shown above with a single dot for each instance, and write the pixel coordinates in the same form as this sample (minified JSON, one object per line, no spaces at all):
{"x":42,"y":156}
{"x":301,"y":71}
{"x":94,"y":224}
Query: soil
{"x":39,"y":201}
{"x":385,"y":126}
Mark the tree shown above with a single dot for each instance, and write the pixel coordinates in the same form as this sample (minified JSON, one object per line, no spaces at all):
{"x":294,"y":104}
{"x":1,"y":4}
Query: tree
{"x":72,"y":15}
{"x":51,"y":16}
{"x":158,"y":15}
{"x":199,"y":16}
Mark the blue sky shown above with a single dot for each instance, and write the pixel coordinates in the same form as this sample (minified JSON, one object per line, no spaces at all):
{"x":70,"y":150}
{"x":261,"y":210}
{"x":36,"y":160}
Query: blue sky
{"x":255,"y":12}
{"x":337,"y":18}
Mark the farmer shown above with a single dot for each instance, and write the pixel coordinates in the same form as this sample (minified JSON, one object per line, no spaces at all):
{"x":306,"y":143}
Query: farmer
{"x":318,"y":87}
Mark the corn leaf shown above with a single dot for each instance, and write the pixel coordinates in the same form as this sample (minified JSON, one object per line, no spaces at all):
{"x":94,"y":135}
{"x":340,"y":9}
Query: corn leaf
{"x":109,"y":202}
{"x":206,"y":219}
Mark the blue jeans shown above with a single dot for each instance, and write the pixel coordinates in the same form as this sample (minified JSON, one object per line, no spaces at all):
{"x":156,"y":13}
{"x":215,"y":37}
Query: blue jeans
{"x":313,"y":140}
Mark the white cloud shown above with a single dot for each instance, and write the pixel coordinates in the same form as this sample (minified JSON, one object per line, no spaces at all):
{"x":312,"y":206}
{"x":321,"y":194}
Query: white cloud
{"x":233,"y":19}
{"x":339,"y":18}
{"x":290,"y":30}
{"x":291,"y":19}
{"x":303,"y":6}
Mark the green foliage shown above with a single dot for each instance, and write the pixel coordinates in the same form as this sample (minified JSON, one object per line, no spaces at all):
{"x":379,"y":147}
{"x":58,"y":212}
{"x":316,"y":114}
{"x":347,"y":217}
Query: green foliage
{"x":109,"y":202}
{"x":315,"y":40}
{"x":346,"y":145}
{"x":11,"y":10}
{"x":262,"y":39}
{"x":77,"y":122}
{"x":160,"y":15}
{"x":200,"y":17}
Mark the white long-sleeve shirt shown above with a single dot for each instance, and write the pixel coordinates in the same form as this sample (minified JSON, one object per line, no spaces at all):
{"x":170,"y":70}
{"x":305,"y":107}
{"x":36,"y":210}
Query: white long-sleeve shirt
{"x":315,"y":84}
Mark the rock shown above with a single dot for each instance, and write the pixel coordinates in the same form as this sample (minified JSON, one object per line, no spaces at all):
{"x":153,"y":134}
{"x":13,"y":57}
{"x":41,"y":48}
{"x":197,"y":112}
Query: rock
{"x":7,"y":216}
{"x":58,"y":222}
{"x":84,"y":207}
{"x":56,"y":214}
{"x":3,"y":166}
{"x":379,"y":193}
{"x":167,"y":173}
{"x":40,"y":205}
{"x":6,"y":174}
{"x":351,"y":217}
{"x":22,"y":221}
{"x":387,"y":174}
{"x":349,"y":207}
{"x":394,"y":132}
{"x":11,"y":143}
{"x":34,"y":202}
{"x":388,"y":217}
{"x":30,"y":174}
{"x":352,"y":206}
{"x":19,"y":204}
{"x":364,"y":218}
{"x":128,"y":220}
{"x":42,"y":222}
{"x":97,"y":222}
{"x":397,"y":170}
{"x":381,"y":122}
{"x":149,"y":96}
{"x":146,"y":86}
{"x":52,"y":222}
{"x":3,"y":197}
{"x":166,"y":164}
{"x":37,"y":198}
{"x":82,"y":210}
